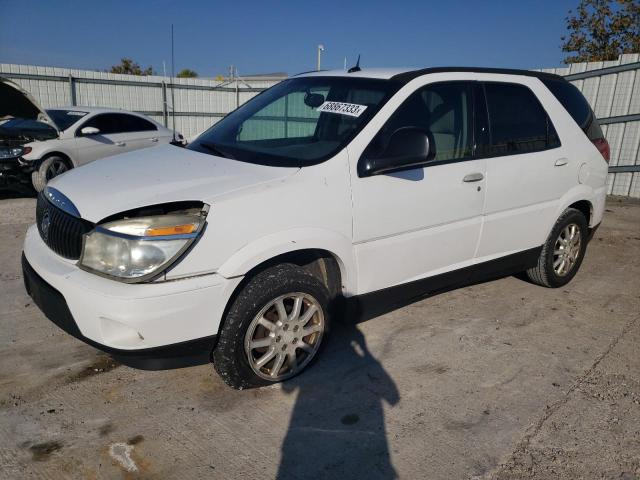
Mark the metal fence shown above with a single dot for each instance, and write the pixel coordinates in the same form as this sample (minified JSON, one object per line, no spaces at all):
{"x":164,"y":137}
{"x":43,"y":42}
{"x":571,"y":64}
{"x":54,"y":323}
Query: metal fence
{"x":199,"y":102}
{"x":612,"y":89}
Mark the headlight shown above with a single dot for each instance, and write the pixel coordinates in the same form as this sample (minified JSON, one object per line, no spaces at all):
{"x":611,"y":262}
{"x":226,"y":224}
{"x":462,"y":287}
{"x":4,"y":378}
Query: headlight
{"x":11,"y":152}
{"x":137,"y":249}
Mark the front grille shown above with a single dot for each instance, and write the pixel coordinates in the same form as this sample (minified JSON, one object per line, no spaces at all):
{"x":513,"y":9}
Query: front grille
{"x":59,"y":230}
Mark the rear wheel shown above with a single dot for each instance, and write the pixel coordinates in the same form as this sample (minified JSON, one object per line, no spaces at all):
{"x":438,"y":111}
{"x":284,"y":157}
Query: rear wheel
{"x":274,"y":329}
{"x":563,"y":251}
{"x":49,"y":168}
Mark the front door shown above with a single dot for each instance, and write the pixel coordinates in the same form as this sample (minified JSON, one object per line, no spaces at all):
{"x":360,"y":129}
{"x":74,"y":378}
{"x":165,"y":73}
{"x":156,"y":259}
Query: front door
{"x":111,"y":138}
{"x":420,"y":222}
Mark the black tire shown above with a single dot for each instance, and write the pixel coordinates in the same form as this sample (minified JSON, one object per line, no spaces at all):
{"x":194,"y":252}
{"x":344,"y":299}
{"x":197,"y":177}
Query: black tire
{"x":230,"y":359}
{"x":49,"y":168}
{"x":544,"y":273}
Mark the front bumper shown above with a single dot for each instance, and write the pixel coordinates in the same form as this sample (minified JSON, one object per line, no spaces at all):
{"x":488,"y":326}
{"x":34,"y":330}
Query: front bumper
{"x":15,"y":172}
{"x":151,"y":326}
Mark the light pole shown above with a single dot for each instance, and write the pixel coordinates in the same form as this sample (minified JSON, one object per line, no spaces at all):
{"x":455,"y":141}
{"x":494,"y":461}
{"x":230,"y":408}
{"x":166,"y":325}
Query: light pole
{"x":320,"y":50}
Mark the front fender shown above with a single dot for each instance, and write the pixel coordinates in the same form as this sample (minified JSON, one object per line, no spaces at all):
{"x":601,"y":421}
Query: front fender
{"x":270,"y":246}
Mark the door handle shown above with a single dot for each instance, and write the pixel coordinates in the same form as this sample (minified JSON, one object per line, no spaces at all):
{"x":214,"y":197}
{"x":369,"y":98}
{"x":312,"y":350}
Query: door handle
{"x":561,"y":162}
{"x":154,"y":139}
{"x":473,"y":177}
{"x":120,"y":144}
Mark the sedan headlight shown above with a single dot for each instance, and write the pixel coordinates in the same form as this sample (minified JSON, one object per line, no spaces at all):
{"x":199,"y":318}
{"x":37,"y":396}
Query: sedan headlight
{"x":11,"y":152}
{"x":136,"y":249}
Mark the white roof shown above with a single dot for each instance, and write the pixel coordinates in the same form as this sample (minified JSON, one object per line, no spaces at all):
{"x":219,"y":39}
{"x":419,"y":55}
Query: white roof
{"x":384,"y":73}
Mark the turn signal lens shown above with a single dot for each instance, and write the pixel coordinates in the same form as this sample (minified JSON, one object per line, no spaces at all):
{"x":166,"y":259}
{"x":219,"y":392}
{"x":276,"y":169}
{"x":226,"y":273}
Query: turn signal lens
{"x":171,"y":230}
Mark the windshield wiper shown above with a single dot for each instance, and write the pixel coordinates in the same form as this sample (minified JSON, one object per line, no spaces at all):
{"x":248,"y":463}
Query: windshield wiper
{"x":215,"y":149}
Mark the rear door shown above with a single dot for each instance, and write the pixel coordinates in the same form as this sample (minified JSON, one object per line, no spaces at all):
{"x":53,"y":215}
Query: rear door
{"x":527,"y":170}
{"x":138,"y":132}
{"x":422,"y":221}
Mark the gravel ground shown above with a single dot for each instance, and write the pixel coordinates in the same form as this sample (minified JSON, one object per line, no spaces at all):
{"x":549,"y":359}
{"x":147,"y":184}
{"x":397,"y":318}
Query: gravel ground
{"x":501,"y":380}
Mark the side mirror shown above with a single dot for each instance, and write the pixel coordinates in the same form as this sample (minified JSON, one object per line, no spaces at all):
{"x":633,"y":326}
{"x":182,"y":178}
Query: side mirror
{"x":89,"y":131}
{"x":408,"y":147}
{"x":313,"y":100}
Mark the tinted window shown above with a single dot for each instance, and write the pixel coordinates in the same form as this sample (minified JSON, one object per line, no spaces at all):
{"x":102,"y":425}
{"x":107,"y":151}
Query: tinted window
{"x":107,"y":123}
{"x":574,"y":102}
{"x":444,"y":110}
{"x":518,"y":123}
{"x":110,"y":123}
{"x":137,"y":124}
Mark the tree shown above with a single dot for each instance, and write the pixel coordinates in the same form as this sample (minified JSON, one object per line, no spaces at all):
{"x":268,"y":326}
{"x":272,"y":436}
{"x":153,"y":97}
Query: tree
{"x":187,"y":73}
{"x":129,"y":67}
{"x":602,"y":30}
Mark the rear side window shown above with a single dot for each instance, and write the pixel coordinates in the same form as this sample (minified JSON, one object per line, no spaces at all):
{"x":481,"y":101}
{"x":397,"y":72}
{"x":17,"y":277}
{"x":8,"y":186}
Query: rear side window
{"x":137,"y":124}
{"x":518,"y":122}
{"x":576,"y":105}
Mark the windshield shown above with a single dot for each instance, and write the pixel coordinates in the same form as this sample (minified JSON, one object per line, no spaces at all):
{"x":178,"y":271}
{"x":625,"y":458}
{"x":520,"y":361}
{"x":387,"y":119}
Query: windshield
{"x":299,"y":122}
{"x":65,"y":118}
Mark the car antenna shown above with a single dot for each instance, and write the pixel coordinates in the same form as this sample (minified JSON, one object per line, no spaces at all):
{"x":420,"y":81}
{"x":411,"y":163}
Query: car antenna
{"x":356,"y":68}
{"x":173,"y":97}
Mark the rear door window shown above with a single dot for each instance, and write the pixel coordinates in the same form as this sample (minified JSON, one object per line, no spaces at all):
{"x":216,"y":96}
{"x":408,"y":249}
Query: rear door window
{"x":137,"y":124}
{"x":518,"y":122}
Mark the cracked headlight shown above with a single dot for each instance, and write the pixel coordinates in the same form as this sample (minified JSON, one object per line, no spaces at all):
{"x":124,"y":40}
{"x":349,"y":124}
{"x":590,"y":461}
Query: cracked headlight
{"x":139,"y":248}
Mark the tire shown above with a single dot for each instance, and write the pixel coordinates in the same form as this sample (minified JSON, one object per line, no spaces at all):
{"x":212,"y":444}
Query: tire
{"x":244,"y":340}
{"x":49,"y":168}
{"x":551,"y":271}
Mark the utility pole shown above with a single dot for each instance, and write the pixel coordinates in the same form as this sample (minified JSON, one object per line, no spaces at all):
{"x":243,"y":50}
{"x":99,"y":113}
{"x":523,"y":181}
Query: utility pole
{"x":320,"y":50}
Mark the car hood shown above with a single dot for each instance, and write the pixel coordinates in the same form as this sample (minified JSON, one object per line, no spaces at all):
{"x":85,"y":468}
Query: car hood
{"x":157,"y":175}
{"x":18,"y":103}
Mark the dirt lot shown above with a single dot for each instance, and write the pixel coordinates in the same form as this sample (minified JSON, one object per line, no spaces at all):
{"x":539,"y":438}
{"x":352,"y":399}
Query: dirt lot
{"x":500,"y":380}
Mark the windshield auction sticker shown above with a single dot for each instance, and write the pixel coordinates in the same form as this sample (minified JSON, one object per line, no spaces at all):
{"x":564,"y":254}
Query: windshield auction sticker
{"x":351,"y":109}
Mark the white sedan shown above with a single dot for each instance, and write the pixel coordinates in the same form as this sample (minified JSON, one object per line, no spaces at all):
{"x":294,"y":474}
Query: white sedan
{"x":45,"y":143}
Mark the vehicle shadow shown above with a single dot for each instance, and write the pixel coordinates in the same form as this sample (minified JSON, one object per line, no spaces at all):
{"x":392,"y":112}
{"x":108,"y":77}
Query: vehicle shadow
{"x":337,"y":427}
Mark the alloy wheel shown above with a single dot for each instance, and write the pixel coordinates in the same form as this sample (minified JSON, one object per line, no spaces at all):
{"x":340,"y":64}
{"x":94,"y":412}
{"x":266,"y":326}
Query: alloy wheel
{"x":567,"y":249}
{"x":284,"y":336}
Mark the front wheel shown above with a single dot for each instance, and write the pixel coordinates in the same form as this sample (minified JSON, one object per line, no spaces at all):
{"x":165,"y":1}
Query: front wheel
{"x":274,"y":328}
{"x":563,"y":251}
{"x":49,"y":168}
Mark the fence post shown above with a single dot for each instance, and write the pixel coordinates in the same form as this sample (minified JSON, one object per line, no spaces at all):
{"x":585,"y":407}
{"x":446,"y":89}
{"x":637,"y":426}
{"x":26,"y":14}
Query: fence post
{"x":165,"y":111}
{"x":72,"y":90}
{"x":237,"y":94}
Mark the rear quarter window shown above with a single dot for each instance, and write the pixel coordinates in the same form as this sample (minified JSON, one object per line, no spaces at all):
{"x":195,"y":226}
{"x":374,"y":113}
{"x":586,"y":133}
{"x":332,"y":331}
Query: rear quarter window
{"x":576,"y":105}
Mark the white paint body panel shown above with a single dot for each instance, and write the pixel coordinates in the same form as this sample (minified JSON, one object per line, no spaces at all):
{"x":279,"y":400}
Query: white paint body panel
{"x":383,"y":230}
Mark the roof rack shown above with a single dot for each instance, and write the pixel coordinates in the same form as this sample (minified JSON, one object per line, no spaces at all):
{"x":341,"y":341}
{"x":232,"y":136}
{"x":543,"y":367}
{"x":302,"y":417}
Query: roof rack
{"x":408,"y":76}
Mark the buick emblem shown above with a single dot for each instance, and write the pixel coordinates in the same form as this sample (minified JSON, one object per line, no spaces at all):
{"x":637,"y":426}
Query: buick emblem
{"x":45,"y":224}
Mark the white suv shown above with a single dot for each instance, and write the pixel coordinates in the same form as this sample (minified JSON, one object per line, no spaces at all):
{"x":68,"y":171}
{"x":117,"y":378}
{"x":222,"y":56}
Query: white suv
{"x":328,"y":185}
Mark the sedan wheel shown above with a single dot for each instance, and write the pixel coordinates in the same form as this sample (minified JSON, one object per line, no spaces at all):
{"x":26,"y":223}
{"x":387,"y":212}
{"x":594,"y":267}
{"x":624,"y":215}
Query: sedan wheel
{"x":56,"y":167}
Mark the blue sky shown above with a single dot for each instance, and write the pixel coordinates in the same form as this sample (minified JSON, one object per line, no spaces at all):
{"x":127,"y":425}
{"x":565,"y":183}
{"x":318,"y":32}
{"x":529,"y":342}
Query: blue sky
{"x":266,"y":36}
